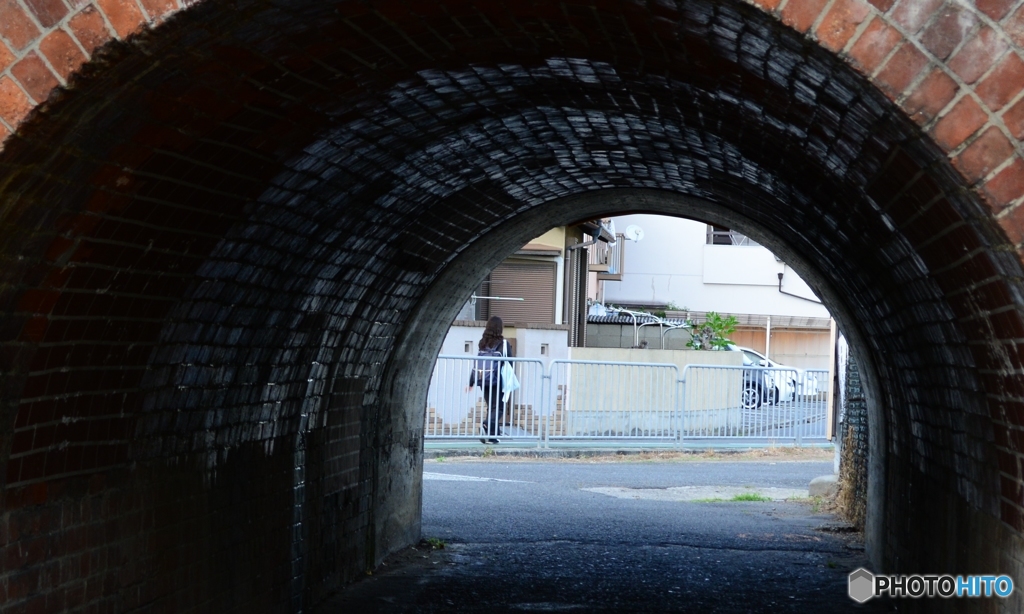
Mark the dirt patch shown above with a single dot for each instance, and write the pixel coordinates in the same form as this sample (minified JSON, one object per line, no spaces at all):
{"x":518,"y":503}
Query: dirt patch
{"x":706,"y":494}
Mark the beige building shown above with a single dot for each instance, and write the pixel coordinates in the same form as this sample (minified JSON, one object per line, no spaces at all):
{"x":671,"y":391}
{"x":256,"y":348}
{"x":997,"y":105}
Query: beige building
{"x":545,"y":288}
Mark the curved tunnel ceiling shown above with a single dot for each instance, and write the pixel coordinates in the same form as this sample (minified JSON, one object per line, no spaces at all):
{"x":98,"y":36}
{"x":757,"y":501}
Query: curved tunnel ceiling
{"x":205,"y":237}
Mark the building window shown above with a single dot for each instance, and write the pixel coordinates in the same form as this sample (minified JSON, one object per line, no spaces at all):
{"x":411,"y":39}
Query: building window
{"x":533,"y":282}
{"x":719,"y":235}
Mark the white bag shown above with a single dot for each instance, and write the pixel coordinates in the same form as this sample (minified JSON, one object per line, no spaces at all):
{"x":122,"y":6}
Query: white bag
{"x":509,"y":381}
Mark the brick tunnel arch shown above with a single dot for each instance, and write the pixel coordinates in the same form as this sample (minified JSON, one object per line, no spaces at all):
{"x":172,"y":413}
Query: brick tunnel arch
{"x":232,"y":245}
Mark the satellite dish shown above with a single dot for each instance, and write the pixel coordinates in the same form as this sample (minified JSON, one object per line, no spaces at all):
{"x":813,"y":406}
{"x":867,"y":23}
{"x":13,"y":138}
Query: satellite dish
{"x":634,"y":233}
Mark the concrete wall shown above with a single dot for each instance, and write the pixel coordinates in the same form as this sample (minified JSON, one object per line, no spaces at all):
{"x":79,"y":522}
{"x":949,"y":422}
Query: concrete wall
{"x":622,"y":336}
{"x":529,"y":342}
{"x":680,"y":358}
{"x":462,"y":337}
{"x":802,"y":348}
{"x":645,"y":401}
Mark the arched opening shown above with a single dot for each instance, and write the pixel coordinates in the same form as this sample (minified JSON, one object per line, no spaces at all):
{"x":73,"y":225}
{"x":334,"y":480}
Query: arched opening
{"x":227,"y":271}
{"x":481,"y":257}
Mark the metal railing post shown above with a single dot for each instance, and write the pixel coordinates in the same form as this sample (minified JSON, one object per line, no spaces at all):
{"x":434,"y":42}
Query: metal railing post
{"x":682,"y":407}
{"x":545,"y":407}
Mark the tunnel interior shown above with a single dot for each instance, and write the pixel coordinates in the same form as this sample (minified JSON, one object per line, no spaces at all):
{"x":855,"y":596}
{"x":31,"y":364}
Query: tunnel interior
{"x":231,"y":248}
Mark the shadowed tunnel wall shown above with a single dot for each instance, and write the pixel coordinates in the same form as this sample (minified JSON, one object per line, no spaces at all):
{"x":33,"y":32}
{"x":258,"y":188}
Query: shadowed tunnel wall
{"x":231,"y":246}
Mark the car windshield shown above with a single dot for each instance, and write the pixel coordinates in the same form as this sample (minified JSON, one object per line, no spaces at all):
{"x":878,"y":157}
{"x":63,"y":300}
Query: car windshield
{"x":750,"y":358}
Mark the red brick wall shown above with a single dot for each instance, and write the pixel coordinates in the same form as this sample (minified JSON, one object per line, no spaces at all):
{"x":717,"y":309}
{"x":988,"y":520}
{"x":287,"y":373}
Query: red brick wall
{"x":956,"y":70}
{"x":44,"y":42}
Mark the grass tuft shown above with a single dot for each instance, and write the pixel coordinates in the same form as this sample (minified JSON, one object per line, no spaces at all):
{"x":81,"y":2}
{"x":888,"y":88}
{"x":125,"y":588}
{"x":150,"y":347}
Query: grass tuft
{"x":750,"y":496}
{"x":435,"y":543}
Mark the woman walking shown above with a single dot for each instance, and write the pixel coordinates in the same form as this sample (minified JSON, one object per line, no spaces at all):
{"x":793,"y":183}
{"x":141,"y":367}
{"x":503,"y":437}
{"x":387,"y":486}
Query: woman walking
{"x":487,"y":373}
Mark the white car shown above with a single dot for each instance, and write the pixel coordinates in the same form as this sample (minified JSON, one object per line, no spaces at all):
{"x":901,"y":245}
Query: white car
{"x":774,"y":386}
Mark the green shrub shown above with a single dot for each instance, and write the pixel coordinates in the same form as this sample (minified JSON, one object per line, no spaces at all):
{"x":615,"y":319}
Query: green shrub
{"x":713,"y":333}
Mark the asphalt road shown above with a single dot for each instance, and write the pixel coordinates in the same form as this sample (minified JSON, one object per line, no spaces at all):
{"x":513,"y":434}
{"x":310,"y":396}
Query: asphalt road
{"x":543,"y":501}
{"x":528,"y":536}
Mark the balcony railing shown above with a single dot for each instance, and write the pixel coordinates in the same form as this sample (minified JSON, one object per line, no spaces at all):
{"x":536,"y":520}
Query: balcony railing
{"x":607,"y":259}
{"x":728,"y":237}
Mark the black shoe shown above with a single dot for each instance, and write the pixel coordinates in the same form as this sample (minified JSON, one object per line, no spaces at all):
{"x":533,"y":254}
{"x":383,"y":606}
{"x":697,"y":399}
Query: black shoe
{"x":482,"y":440}
{"x":493,"y":441}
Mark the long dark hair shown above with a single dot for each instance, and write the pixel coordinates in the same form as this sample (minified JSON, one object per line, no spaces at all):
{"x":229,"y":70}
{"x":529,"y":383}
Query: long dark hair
{"x":492,"y":334}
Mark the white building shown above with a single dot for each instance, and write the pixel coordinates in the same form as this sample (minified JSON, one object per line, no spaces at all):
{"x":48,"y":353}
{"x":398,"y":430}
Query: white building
{"x":687,"y":268}
{"x":677,"y":264}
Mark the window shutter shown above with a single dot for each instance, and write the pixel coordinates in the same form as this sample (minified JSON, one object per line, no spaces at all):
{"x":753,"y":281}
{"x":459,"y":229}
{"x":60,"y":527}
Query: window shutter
{"x":533,"y":282}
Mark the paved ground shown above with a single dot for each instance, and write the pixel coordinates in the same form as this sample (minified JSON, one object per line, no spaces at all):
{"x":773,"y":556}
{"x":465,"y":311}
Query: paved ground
{"x":471,"y":446}
{"x":529,"y":536}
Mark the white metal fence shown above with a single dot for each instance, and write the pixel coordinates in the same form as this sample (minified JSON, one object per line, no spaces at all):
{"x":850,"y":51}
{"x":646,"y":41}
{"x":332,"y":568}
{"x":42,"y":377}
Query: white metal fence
{"x":455,"y":411}
{"x":579,"y":400}
{"x":754,"y":403}
{"x":607,"y":400}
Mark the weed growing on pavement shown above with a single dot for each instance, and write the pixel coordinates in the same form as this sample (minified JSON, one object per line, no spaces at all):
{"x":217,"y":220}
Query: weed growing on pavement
{"x":440,"y":459}
{"x":818,"y":504}
{"x":750,"y":496}
{"x":489,"y":452}
{"x":747,"y":496}
{"x":435,"y":543}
